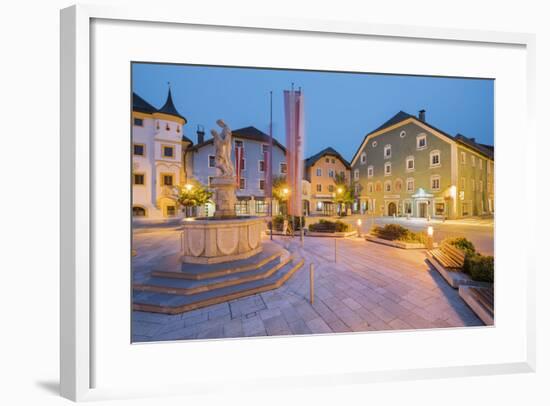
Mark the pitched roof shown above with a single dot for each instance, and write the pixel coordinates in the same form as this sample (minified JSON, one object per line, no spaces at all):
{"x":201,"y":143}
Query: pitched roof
{"x":327,"y":151}
{"x":139,"y":104}
{"x":486,"y":150}
{"x":169,"y":107}
{"x":247,"y":133}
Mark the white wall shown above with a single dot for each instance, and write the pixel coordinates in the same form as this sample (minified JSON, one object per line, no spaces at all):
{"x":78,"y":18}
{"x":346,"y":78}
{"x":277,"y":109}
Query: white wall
{"x":29,"y":247}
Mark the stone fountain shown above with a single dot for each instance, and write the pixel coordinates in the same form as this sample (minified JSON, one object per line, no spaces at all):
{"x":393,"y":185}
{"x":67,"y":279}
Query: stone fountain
{"x":225,"y":236}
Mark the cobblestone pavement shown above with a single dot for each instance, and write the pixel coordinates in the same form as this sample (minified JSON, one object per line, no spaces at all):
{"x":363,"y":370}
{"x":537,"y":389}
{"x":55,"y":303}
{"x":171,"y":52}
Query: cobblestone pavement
{"x":370,"y":287}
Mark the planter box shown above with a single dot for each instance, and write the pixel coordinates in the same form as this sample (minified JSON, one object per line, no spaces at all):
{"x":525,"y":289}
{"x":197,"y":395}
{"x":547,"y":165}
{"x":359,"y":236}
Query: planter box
{"x":454,"y":278}
{"x":397,"y":244}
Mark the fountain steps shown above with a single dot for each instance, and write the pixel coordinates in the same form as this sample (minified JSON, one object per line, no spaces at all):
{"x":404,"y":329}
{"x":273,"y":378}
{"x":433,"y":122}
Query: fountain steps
{"x":268,"y":277}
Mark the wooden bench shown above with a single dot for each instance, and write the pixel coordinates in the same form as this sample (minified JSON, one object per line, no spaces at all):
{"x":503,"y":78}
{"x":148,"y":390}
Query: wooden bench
{"x":449,"y":256}
{"x":481,"y":300}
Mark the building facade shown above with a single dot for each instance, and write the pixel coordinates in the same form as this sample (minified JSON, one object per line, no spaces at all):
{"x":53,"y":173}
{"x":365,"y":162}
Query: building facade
{"x":321,"y":171}
{"x":407,"y":167}
{"x":157,"y":158}
{"x":251,"y":189}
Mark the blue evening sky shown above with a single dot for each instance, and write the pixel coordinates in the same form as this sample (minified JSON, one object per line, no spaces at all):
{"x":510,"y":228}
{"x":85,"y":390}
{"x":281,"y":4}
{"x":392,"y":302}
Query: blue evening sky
{"x":340,"y":108}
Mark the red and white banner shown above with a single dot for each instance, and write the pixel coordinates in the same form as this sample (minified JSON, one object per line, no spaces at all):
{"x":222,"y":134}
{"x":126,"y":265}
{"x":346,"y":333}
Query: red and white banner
{"x":294,"y":123}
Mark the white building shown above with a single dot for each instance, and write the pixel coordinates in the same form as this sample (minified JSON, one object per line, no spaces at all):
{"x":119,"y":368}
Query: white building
{"x":158,"y":157}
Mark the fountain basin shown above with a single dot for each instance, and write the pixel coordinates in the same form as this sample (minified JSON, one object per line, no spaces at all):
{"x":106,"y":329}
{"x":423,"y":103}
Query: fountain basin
{"x":217,"y":240}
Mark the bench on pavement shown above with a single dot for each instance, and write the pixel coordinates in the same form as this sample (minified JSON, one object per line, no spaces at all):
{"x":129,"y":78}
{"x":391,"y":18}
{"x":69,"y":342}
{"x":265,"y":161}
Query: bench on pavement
{"x":449,"y":256}
{"x":481,"y":300}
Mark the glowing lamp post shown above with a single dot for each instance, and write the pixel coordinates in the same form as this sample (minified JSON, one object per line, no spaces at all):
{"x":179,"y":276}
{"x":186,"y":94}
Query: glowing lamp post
{"x":359,"y":222}
{"x":188,"y":187}
{"x":430,"y":239}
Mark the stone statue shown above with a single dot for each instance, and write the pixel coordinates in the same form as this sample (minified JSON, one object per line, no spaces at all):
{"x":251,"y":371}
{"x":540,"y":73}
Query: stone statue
{"x":222,"y":146}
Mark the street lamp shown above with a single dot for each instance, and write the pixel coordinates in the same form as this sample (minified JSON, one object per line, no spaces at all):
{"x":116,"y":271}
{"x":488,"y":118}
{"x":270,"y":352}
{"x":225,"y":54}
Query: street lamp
{"x":359,"y":222}
{"x":188,"y":187}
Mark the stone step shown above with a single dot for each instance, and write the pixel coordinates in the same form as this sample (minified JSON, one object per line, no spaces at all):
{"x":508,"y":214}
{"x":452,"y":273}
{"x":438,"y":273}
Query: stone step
{"x":181,"y":286}
{"x":175,"y":304}
{"x":172,"y":267}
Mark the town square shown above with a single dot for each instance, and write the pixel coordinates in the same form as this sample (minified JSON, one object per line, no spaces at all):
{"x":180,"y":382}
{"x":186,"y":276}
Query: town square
{"x":246,"y":226}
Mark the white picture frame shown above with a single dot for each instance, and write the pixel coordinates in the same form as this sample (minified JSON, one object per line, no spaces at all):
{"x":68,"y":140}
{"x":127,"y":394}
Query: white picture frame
{"x":77,"y":280}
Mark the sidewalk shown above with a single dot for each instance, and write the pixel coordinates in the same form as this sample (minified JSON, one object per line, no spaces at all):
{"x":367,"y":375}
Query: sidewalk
{"x":371,"y":288}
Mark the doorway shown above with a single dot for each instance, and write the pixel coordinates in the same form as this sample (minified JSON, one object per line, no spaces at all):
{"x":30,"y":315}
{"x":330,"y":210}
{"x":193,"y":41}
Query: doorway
{"x":423,"y":209}
{"x":392,"y":209}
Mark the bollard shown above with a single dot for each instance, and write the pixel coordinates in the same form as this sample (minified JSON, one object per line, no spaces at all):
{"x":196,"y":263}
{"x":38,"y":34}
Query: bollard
{"x":311,"y":288}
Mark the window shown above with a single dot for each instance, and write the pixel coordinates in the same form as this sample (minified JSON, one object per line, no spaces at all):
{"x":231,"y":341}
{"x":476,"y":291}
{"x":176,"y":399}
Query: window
{"x":378,"y":186}
{"x":261,"y":165}
{"x":410,"y":164}
{"x":342,"y":175}
{"x":398,"y":185}
{"x":239,"y":144}
{"x":387,"y":168}
{"x":439,"y":208}
{"x":370,"y":187}
{"x":410,"y":185}
{"x":387,"y":151}
{"x":473,"y":185}
{"x":265,"y":148}
{"x":139,"y":179}
{"x":480,"y":163}
{"x":435,"y":159}
{"x":167,"y":151}
{"x":363,"y":158}
{"x":374,"y":144}
{"x":402,"y":134}
{"x":242,"y":183}
{"x":436,"y":182}
{"x":356,"y":174}
{"x":319,"y":172}
{"x":211,"y":161}
{"x":387,"y":186}
{"x":473,"y":160}
{"x":243,"y":164}
{"x":332,"y":160}
{"x":261,"y":206}
{"x":319,"y":187}
{"x":167,"y":180}
{"x":327,"y":160}
{"x":407,"y":207}
{"x":282,"y":167}
{"x":481,"y":186}
{"x":138,"y":211}
{"x":463,"y":157}
{"x":210,"y":178}
{"x":331,"y":188}
{"x":421,"y":142}
{"x":331,"y":173}
{"x":170,"y":211}
{"x":356,"y":188}
{"x":462,"y":183}
{"x":138,"y":122}
{"x":139,"y":149}
{"x":262,"y":184}
{"x":370,"y":171}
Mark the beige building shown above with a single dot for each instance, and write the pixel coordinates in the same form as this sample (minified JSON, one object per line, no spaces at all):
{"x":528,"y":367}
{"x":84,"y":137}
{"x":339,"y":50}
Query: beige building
{"x":321,"y":170}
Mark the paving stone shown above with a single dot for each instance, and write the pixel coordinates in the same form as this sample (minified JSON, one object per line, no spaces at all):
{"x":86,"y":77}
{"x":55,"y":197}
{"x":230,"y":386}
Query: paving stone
{"x":277,"y":325}
{"x":318,"y":326}
{"x":299,"y":327}
{"x":338,"y":326}
{"x":253,"y":326}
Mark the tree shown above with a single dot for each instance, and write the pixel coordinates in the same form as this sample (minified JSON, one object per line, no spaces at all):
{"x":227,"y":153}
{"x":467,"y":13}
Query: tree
{"x":193,"y":194}
{"x":280,"y":192}
{"x":344,"y":195}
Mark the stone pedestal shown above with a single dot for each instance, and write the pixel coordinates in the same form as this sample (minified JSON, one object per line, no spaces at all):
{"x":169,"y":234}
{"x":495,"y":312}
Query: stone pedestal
{"x":224,"y":195}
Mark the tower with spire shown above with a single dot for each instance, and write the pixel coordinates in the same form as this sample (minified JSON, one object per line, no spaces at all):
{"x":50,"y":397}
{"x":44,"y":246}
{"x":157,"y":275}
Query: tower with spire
{"x":159,"y":147}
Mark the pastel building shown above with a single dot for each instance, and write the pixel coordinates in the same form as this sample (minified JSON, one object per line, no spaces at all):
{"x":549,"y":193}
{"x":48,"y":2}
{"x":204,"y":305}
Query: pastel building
{"x":158,"y":150}
{"x":408,"y":167}
{"x":251,"y":189}
{"x":321,"y":170}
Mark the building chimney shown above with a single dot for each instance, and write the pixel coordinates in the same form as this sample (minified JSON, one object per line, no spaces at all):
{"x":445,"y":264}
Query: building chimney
{"x":200,"y":134}
{"x":422,"y":115}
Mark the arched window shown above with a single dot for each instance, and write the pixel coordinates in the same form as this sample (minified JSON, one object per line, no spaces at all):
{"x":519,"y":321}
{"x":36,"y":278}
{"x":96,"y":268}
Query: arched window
{"x":138,"y":211}
{"x":398,"y":185}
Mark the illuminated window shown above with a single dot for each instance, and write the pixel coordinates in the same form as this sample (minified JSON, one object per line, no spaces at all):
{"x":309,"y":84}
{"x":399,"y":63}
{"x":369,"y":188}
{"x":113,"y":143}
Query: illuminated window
{"x":283,"y":167}
{"x":167,"y":180}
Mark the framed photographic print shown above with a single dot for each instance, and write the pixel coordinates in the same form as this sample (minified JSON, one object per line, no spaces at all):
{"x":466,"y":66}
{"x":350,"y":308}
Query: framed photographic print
{"x":290,"y":201}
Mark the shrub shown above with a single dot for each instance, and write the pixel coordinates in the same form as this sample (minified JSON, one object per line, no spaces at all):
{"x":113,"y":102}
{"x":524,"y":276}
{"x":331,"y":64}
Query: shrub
{"x":480,"y":267}
{"x":294,"y":221}
{"x":394,"y":232}
{"x":328,"y":226}
{"x":464,"y":244}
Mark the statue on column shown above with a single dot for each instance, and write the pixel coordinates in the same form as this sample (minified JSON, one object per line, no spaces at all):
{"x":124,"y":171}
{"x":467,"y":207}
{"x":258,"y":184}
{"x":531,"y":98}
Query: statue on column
{"x":222,"y":146}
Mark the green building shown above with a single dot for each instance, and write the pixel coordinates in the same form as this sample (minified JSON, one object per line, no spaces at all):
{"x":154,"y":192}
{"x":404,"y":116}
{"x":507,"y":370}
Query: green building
{"x":407,"y":167}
